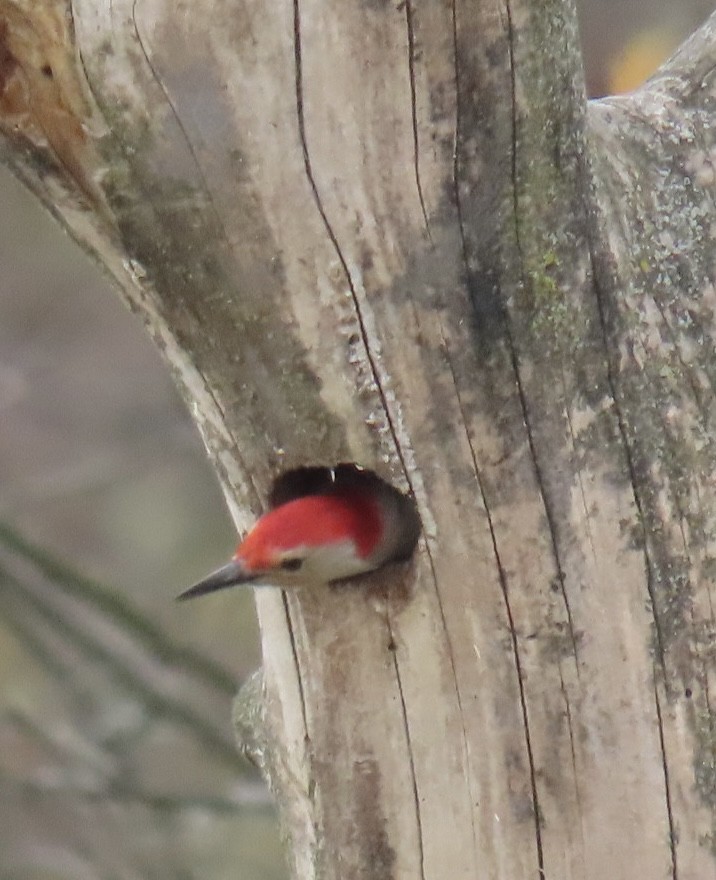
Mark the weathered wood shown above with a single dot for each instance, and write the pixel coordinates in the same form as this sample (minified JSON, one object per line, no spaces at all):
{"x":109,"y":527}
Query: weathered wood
{"x":392,"y":233}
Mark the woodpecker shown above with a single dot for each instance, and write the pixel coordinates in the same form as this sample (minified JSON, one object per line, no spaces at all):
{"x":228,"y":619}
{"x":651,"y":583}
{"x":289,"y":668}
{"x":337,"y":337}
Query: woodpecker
{"x":323,"y":525}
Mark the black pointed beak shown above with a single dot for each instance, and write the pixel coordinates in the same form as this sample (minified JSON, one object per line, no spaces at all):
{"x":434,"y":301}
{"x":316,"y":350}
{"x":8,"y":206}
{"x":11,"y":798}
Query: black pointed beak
{"x":229,"y":575}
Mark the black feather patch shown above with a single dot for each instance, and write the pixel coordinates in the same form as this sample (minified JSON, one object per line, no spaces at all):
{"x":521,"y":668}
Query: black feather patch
{"x":300,"y":482}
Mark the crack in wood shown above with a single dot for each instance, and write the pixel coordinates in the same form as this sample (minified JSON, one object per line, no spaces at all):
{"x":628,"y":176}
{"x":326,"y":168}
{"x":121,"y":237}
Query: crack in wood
{"x":414,"y":111}
{"x":230,"y":436}
{"x":647,"y":562}
{"x":294,"y":651}
{"x":235,"y":445}
{"x":568,"y":713}
{"x":451,"y":653}
{"x":502,"y":575}
{"x":411,"y":761}
{"x":523,"y":402}
{"x":298,"y":62}
{"x":365,"y":337}
{"x":667,"y":786}
{"x":585,"y":508}
{"x":541,"y":487}
{"x":631,"y":467}
{"x":520,"y":683}
{"x":185,"y":135}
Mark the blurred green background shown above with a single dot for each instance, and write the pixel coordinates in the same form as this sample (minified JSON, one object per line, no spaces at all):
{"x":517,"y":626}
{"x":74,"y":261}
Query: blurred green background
{"x":116,"y":757}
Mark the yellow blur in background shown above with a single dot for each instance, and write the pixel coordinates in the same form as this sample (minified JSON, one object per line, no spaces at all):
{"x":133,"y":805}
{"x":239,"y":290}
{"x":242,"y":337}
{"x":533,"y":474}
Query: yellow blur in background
{"x":639,"y":58}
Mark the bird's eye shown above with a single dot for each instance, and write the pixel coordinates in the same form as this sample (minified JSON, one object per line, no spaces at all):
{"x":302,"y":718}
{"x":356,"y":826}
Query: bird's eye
{"x":291,"y":564}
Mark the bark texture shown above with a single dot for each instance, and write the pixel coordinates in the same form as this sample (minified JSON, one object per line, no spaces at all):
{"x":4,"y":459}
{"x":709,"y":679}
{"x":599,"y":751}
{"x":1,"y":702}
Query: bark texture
{"x":394,"y":233}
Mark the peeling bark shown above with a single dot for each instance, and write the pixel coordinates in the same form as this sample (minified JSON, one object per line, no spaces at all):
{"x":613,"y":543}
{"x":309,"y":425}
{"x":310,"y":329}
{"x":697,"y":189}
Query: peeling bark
{"x":396,"y":234}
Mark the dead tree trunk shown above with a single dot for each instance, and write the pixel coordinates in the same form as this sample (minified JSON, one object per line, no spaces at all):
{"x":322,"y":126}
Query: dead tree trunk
{"x":395,"y":233}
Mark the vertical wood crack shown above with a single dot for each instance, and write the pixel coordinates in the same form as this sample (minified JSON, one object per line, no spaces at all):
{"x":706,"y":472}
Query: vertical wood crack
{"x":411,"y":761}
{"x":521,"y":685}
{"x":177,"y":118}
{"x":573,"y":751}
{"x":541,"y":487}
{"x":414,"y":110}
{"x":631,"y":467}
{"x":294,"y":652}
{"x":300,"y":112}
{"x":365,"y":337}
{"x":502,"y":575}
{"x":667,"y":785}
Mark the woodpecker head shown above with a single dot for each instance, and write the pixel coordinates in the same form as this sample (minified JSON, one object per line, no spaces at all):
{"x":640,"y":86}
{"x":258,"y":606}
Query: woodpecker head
{"x":325,"y":525}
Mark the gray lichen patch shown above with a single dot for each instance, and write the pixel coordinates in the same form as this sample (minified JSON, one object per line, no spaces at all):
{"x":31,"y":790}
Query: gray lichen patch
{"x":705,"y":768}
{"x":663,"y":325}
{"x":560,"y":324}
{"x":660,"y":323}
{"x":248,"y":718}
{"x":667,"y":472}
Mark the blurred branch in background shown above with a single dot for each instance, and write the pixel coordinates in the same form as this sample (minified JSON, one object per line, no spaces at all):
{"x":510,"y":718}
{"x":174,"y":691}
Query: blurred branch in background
{"x":64,"y":617}
{"x":121,"y":695}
